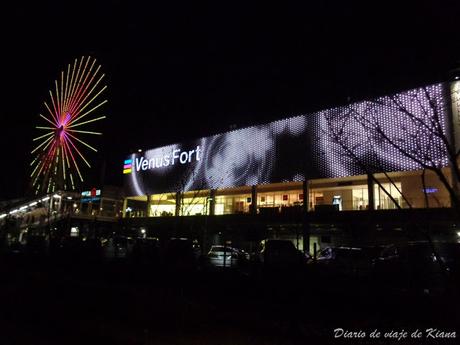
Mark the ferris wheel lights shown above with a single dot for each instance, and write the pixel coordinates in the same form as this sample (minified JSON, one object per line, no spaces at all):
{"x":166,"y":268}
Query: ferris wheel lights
{"x":85,"y":132}
{"x":42,"y":136}
{"x":59,"y":151}
{"x":39,"y":127}
{"x":47,"y":119}
{"x":85,"y":122}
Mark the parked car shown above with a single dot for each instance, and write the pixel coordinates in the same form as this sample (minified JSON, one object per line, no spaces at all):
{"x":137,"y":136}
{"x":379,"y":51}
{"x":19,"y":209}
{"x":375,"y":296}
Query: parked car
{"x":349,"y":261}
{"x":223,"y":256}
{"x":118,"y":247}
{"x":414,"y":266}
{"x":280,"y":253}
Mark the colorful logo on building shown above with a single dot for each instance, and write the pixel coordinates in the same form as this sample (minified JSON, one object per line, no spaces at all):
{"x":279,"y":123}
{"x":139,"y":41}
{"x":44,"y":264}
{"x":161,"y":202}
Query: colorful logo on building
{"x":127,"y":168}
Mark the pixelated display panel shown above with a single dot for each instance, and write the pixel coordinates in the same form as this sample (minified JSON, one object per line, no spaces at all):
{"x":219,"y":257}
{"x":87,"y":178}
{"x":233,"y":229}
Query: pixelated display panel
{"x":393,"y":133}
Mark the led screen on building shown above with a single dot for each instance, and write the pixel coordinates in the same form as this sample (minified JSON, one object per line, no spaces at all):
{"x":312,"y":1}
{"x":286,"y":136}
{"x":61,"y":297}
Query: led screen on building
{"x":338,"y":142}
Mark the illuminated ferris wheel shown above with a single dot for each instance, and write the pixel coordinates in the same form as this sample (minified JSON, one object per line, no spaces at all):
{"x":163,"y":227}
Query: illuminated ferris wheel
{"x":73,"y":107}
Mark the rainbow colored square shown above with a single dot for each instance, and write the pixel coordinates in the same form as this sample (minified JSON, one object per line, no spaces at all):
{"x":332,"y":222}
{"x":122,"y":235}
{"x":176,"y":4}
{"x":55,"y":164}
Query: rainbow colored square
{"x":127,"y":168}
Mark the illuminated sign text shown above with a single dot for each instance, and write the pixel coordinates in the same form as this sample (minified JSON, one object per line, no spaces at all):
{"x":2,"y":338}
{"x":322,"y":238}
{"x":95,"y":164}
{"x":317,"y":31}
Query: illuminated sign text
{"x":177,"y":156}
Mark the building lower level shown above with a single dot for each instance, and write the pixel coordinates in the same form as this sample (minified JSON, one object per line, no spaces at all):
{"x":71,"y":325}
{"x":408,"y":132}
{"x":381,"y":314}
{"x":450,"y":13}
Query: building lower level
{"x":392,"y":191}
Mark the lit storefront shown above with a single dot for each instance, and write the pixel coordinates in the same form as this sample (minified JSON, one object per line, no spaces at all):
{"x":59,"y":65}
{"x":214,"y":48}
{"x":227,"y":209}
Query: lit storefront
{"x":295,"y":163}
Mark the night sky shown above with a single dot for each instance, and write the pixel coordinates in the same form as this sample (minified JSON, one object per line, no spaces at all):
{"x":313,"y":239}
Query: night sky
{"x":183,"y":70}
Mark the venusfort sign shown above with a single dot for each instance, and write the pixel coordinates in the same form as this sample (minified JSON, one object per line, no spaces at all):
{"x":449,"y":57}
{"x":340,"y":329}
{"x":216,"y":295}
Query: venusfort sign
{"x":177,"y":156}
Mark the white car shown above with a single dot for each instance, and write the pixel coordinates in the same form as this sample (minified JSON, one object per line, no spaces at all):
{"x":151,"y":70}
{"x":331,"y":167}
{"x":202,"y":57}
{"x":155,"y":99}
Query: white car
{"x":221,"y":256}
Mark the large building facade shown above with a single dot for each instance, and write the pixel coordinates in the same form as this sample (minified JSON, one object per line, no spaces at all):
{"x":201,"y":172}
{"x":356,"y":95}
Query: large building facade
{"x":370,"y":154}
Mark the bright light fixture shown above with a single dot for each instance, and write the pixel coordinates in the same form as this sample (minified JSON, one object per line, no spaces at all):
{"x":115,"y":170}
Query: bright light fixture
{"x":33,"y":204}
{"x":74,"y":231}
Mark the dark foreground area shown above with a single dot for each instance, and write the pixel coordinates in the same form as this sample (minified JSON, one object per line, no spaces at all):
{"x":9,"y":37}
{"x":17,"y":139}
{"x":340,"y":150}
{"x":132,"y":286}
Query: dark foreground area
{"x":50,"y":301}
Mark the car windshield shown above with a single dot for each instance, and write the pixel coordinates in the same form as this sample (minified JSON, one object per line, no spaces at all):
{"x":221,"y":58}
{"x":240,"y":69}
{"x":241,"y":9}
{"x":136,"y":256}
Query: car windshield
{"x":221,"y":249}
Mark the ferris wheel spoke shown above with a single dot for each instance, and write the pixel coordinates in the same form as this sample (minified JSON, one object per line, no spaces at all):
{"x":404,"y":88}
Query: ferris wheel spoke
{"x":71,"y":180}
{"x":70,"y":74}
{"x":77,"y":150}
{"x":90,"y":111}
{"x":55,"y":108}
{"x":84,"y":87}
{"x":54,"y":124}
{"x":35,"y":160}
{"x":35,"y":169}
{"x":43,"y":164}
{"x":79,"y":85}
{"x":84,"y":132}
{"x":78,"y":103}
{"x":38,"y":164}
{"x":76,"y":123}
{"x":81,"y":141}
{"x":49,"y":157}
{"x":40,"y":127}
{"x":53,"y":115}
{"x":75,"y":82}
{"x":66,"y":90}
{"x":61,"y":102}
{"x":71,"y":85}
{"x":43,"y":136}
{"x":77,"y":113}
{"x":46,"y":154}
{"x":65,"y":160}
{"x":47,"y":142}
{"x":62,"y":163}
{"x":73,"y":160}
{"x":58,"y":104}
{"x":66,"y":154}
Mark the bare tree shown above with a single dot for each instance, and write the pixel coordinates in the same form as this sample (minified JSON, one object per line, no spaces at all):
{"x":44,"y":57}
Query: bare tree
{"x":413,"y":125}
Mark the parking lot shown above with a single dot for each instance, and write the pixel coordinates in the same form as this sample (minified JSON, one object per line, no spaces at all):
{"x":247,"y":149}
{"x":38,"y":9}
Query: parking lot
{"x":142,"y":300}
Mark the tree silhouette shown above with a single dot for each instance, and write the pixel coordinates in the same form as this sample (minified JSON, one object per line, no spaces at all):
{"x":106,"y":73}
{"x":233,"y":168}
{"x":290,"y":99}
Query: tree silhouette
{"x":414,"y":126}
